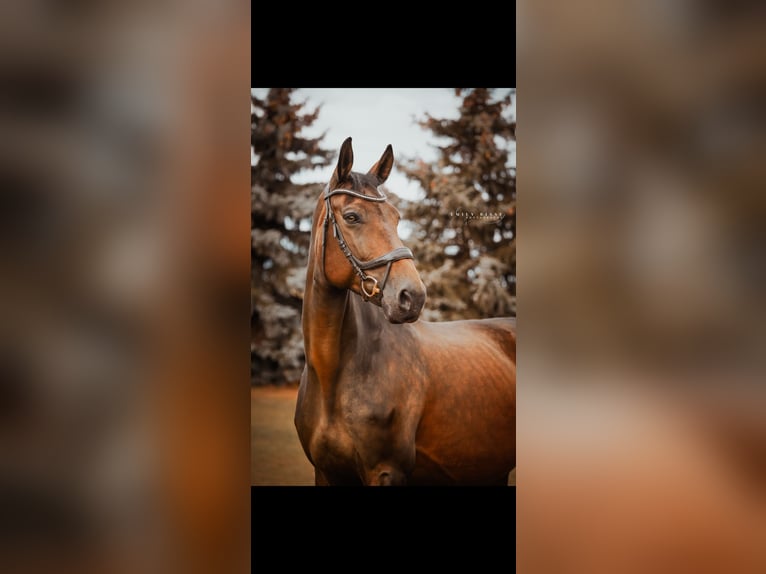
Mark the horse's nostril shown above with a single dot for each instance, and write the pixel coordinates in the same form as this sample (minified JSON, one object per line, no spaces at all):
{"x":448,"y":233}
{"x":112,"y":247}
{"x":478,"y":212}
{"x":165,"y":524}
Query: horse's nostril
{"x":405,"y":300}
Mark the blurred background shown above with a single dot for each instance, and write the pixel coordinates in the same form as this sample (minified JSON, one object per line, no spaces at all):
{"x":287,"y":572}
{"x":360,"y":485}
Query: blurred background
{"x":642,"y":404}
{"x":123,"y":286}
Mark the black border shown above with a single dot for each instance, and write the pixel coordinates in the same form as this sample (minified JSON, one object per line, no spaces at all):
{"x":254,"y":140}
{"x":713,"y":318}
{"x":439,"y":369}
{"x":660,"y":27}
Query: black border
{"x":477,"y":49}
{"x":321,"y":526}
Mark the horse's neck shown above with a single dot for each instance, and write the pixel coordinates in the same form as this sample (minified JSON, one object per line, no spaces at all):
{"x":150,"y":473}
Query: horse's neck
{"x":324,"y":310}
{"x":334,"y":323}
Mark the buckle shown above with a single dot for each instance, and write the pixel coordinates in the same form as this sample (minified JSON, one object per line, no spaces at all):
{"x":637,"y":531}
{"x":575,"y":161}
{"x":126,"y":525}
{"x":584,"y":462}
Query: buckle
{"x":373,"y":291}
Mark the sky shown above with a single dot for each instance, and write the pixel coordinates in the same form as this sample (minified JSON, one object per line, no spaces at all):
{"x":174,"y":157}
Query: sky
{"x":374,"y":118}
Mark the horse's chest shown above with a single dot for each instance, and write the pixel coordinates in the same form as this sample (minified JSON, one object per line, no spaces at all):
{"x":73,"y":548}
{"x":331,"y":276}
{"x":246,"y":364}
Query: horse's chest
{"x":360,"y":430}
{"x":333,"y":452}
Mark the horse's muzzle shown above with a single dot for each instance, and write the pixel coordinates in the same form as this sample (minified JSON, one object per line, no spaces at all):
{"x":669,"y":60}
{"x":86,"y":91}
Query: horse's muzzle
{"x":406,"y":305}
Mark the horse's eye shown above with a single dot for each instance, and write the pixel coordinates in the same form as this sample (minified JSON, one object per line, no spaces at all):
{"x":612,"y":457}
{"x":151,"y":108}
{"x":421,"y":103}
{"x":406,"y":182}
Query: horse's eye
{"x":351,"y":218}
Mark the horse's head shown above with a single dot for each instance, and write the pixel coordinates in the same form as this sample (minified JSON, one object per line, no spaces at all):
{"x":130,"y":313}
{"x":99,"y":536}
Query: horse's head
{"x":361,"y":248}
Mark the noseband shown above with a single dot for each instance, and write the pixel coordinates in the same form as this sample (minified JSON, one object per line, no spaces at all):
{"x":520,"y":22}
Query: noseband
{"x":361,"y":266}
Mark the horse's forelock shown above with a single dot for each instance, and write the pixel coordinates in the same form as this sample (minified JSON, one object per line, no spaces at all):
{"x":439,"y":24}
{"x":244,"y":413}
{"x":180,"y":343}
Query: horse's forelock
{"x":365,"y":183}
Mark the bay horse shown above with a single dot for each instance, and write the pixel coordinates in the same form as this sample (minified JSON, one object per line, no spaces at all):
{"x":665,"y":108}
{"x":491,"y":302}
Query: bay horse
{"x":385,"y":398}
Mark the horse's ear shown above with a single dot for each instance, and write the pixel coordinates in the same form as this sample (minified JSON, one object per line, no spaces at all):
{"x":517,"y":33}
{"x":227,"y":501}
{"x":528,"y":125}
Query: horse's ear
{"x":382,"y":169}
{"x":345,"y":163}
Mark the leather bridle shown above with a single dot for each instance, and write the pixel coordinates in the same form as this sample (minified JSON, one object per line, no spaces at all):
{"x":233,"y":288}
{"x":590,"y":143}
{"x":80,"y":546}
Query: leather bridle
{"x":360,"y":266}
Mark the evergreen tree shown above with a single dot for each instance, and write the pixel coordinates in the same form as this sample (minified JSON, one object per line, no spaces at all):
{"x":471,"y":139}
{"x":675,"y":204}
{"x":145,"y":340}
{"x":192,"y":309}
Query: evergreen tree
{"x":281,"y":223}
{"x":464,"y":230}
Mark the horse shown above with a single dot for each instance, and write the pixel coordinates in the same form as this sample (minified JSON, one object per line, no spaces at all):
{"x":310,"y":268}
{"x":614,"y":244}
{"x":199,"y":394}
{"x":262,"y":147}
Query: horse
{"x":385,"y":398}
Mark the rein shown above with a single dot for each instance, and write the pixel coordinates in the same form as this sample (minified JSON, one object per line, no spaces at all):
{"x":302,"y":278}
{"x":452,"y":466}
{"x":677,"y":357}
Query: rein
{"x":360,"y":266}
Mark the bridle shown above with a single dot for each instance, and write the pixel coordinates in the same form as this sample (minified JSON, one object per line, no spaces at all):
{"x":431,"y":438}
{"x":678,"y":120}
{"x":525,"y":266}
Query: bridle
{"x":360,"y":266}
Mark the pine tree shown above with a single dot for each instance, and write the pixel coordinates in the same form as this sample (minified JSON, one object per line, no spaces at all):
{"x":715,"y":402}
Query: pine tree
{"x":281,"y":222}
{"x":464,"y":230}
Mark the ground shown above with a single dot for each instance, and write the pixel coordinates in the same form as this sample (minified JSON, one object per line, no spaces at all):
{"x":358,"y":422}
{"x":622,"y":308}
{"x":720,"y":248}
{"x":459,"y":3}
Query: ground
{"x":277,"y":458}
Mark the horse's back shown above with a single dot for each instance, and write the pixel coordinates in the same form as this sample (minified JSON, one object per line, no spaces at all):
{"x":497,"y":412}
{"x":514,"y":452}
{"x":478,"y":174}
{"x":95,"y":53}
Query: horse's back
{"x":470,"y":409}
{"x":501,"y":330}
{"x":491,"y":339}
